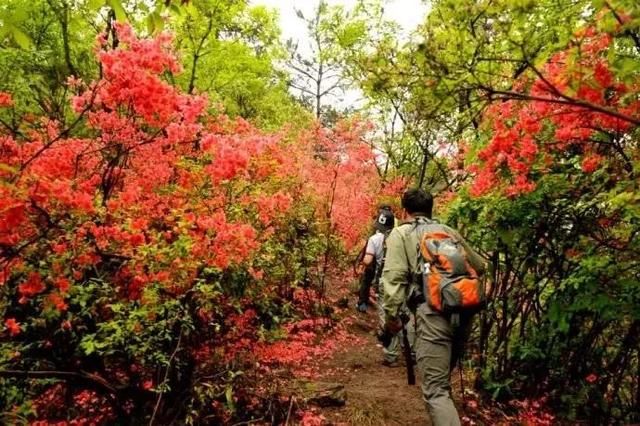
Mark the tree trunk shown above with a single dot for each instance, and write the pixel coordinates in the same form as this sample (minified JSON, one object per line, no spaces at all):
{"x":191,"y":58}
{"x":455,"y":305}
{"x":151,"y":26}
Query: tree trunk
{"x":423,"y":167}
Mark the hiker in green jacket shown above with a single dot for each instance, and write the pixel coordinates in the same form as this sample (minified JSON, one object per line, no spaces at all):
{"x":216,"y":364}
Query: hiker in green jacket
{"x":438,"y":344}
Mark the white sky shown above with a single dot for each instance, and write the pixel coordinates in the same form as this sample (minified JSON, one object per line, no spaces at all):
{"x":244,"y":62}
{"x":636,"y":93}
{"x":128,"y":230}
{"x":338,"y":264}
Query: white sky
{"x":408,"y":13}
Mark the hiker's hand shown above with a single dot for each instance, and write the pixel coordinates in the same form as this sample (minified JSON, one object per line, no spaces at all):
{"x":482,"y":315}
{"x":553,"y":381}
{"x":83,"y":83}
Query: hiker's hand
{"x":384,"y":336}
{"x":393,"y":325}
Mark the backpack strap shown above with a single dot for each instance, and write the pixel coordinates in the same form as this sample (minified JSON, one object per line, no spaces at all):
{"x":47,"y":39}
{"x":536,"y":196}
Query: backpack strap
{"x":380,"y":267}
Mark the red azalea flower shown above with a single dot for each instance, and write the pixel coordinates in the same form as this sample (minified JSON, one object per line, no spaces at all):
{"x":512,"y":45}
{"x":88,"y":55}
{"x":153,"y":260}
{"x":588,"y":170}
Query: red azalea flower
{"x":13,"y":326}
{"x":32,"y":286}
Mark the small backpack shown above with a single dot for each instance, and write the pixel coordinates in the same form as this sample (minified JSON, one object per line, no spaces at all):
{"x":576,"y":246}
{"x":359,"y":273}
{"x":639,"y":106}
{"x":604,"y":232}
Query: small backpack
{"x":448,"y":282}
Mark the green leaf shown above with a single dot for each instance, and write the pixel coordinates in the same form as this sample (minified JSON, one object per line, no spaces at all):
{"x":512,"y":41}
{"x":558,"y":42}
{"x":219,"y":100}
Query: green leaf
{"x":96,"y":4}
{"x":507,"y":236}
{"x":158,"y":22}
{"x":151,"y":24}
{"x":229,"y":396}
{"x":88,"y":345}
{"x":496,"y":393}
{"x":608,"y":24}
{"x":626,"y":67}
{"x":175,"y":8}
{"x":116,"y":5}
{"x":21,"y":38}
{"x":19,"y":15}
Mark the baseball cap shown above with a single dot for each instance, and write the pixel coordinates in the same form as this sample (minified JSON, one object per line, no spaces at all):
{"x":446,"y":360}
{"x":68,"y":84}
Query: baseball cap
{"x":385,"y":220}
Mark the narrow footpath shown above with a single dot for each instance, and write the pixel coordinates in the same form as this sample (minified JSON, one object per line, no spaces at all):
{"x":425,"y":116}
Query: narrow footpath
{"x":375,"y":394}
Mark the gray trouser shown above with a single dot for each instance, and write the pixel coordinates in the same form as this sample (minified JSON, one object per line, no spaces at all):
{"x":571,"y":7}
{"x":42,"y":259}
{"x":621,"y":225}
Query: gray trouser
{"x":392,"y":351}
{"x":437,"y":348}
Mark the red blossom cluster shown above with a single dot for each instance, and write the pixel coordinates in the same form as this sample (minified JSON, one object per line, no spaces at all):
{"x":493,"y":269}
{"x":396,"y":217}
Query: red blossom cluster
{"x":341,"y":169}
{"x":12,"y":326}
{"x":533,"y":412}
{"x":91,"y":408}
{"x":311,"y":418}
{"x":6,"y":100}
{"x":574,"y":97}
{"x":133,"y":184}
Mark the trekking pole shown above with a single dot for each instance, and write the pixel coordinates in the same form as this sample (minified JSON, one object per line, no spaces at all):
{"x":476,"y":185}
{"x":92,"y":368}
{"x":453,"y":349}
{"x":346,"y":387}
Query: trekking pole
{"x":408,"y":359}
{"x":461,"y":381}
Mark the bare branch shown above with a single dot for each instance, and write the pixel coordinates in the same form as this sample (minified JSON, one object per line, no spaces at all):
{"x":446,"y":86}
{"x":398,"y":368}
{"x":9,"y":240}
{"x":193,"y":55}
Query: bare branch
{"x":564,"y":100}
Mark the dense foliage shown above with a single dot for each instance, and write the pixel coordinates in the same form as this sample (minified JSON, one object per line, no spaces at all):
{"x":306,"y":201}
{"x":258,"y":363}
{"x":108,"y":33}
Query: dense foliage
{"x":557,"y":181}
{"x":152,"y":251}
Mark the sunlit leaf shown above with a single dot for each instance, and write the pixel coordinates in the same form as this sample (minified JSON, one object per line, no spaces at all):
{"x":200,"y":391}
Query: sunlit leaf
{"x":116,"y":5}
{"x":21,"y":38}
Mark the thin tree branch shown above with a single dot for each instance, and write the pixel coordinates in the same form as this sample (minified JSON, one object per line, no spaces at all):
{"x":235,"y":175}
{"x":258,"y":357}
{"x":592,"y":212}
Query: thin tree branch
{"x":565,"y":100}
{"x":92,"y":378}
{"x":303,"y":72}
{"x":164,"y":380}
{"x":197,"y":55}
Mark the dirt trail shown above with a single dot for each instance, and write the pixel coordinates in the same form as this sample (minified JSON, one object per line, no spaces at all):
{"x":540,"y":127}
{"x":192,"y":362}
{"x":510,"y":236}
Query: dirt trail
{"x":376,"y":395}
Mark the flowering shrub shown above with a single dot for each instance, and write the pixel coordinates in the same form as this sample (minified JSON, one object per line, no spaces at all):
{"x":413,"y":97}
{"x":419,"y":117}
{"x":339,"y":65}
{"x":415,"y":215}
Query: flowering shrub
{"x":554,"y":204}
{"x":149,"y":246}
{"x":528,"y":138}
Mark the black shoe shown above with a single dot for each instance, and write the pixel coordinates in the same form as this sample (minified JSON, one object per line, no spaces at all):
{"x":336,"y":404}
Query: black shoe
{"x":390,"y":364}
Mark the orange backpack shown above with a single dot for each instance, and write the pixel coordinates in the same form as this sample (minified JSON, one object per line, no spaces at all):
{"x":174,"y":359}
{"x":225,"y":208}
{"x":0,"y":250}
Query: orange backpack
{"x":449,"y":283}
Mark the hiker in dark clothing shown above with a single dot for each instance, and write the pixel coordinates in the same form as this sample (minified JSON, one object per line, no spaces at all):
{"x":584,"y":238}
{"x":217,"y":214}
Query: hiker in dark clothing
{"x":366,"y":279}
{"x":371,"y":256}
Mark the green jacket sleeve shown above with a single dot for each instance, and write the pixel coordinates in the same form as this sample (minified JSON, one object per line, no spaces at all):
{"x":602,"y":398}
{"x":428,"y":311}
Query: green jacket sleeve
{"x":395,"y":275}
